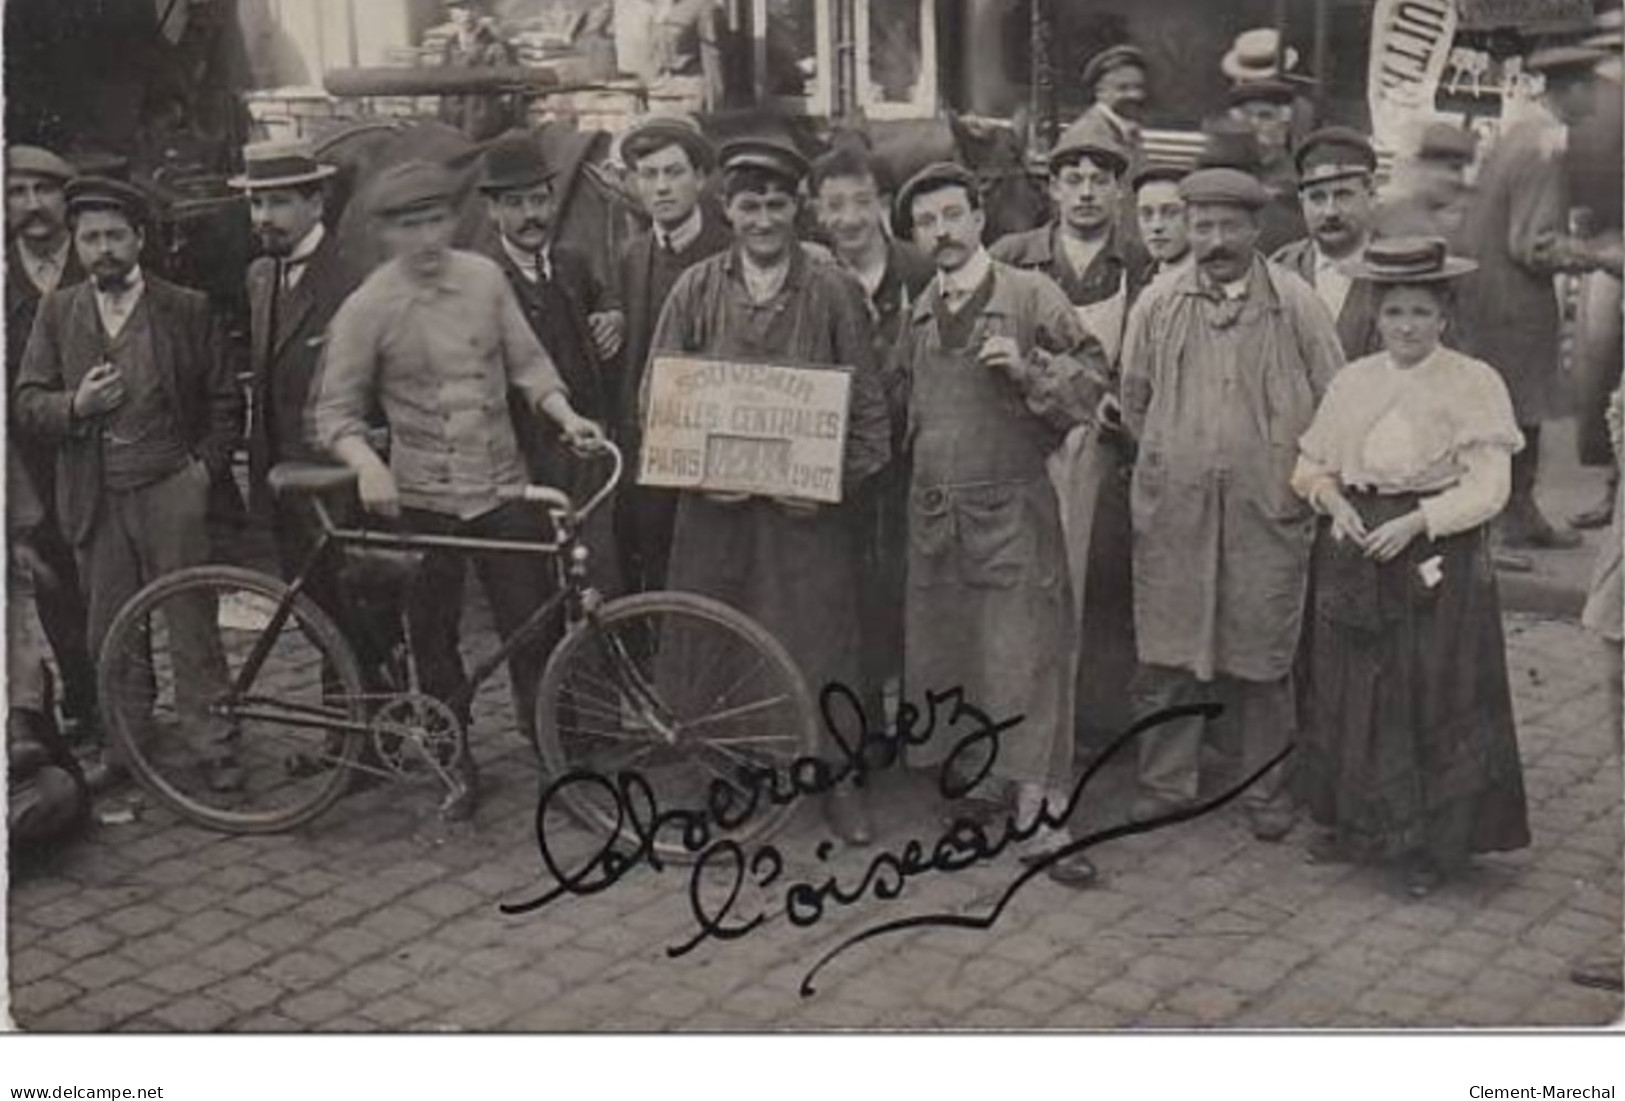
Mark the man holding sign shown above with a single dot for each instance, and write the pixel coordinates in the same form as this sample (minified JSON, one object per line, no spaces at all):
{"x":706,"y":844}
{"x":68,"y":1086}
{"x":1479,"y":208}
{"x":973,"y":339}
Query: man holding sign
{"x":789,"y":563}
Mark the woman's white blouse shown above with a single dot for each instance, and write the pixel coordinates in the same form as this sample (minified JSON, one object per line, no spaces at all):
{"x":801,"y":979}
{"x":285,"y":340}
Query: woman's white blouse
{"x":1442,"y":427}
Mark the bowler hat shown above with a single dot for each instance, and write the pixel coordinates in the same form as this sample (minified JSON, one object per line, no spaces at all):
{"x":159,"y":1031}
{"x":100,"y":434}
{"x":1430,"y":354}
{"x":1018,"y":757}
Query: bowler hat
{"x":268,"y":164}
{"x":100,"y":193}
{"x":1442,"y":141}
{"x":1230,"y":186}
{"x":409,"y":186}
{"x":1257,"y":55}
{"x":1334,"y":153}
{"x":1088,"y":136}
{"x":31,"y":160}
{"x":514,"y":162}
{"x":1261,"y":91}
{"x":770,"y":154}
{"x":933,"y":176}
{"x":1114,"y":57}
{"x":1408,"y":260}
{"x":659,"y":131}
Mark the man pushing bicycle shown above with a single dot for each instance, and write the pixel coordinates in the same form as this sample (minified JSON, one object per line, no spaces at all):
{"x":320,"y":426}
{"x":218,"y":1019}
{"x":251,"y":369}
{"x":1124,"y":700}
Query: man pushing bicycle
{"x":436,"y":339}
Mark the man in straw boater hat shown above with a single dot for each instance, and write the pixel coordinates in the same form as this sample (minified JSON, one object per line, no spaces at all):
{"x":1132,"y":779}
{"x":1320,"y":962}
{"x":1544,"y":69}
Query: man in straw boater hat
{"x":571,"y":312}
{"x":994,"y":369}
{"x":40,"y":258}
{"x":1337,"y":188}
{"x":127,"y":373}
{"x":1517,"y":228}
{"x":435,"y":337}
{"x":1221,"y":364}
{"x":669,"y":160}
{"x":789,"y":564}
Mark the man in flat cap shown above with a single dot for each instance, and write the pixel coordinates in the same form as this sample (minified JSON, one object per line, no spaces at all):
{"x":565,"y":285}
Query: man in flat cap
{"x":127,"y":374}
{"x":669,"y":159}
{"x":994,"y":369}
{"x":1100,"y":266}
{"x":1336,"y":185}
{"x":1118,"y":80}
{"x":1159,"y":210}
{"x":1429,"y":194}
{"x":436,"y":338}
{"x":1229,"y":142}
{"x":1222,"y":369}
{"x":789,"y":564}
{"x":1508,"y":314}
{"x":568,"y":308}
{"x":40,"y":258}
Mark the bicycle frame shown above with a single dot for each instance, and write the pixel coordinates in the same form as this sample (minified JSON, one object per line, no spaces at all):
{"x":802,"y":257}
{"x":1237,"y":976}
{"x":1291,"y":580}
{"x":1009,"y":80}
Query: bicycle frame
{"x":567,"y":523}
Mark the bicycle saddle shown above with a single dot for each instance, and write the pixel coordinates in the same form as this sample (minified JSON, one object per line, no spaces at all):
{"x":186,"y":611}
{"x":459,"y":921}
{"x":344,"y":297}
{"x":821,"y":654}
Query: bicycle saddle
{"x":287,"y":478}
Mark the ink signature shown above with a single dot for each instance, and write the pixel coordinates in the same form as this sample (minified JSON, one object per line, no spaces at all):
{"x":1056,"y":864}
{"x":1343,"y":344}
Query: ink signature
{"x":962,"y":845}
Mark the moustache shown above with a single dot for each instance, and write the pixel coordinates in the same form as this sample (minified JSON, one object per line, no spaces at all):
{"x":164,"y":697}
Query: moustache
{"x":1220,"y":252}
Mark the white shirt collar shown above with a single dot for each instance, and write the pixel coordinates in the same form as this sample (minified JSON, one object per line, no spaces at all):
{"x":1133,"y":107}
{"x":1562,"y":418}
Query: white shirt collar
{"x":45,"y":272}
{"x":1079,"y":252}
{"x":307,"y":246}
{"x":115,"y":307}
{"x":527,"y":262}
{"x":962,"y":284}
{"x":1236,"y":289}
{"x":686,"y":233}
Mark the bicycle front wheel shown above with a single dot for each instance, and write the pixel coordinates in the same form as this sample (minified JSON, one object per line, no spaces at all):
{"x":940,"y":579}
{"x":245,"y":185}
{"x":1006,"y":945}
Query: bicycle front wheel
{"x":259,"y":753}
{"x":694,"y":697}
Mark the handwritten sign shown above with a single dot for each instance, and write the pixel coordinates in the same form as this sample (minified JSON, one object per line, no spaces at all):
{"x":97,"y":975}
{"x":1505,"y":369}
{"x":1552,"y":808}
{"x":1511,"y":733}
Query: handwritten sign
{"x":1410,"y":46}
{"x":1527,"y":15}
{"x":733,"y":427}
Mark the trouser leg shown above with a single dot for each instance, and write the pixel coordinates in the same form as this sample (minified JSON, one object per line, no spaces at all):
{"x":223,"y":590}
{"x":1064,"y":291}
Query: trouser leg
{"x":434,"y":610}
{"x":515,"y":586}
{"x":1266,"y":716}
{"x":111,"y":571}
{"x":63,"y":615}
{"x":1170,"y":752}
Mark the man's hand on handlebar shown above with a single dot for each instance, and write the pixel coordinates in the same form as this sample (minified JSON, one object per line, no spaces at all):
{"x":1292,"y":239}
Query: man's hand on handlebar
{"x":376,"y":485}
{"x":582,"y":434}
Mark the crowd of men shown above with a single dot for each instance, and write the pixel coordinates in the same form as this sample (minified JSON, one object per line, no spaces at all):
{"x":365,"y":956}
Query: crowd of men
{"x":1013,"y":401}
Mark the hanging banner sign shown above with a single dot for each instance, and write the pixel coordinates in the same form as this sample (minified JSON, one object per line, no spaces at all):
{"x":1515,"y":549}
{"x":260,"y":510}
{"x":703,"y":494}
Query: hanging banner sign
{"x":745,"y":428}
{"x":1410,"y":46}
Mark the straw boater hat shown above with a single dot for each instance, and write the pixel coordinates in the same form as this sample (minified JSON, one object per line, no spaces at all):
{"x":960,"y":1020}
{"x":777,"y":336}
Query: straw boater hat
{"x":268,"y":164}
{"x":1257,"y":55}
{"x":1408,"y":260}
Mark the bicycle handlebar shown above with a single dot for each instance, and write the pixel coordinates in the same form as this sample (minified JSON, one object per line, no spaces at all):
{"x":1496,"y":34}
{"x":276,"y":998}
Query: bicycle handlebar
{"x":558,"y":500}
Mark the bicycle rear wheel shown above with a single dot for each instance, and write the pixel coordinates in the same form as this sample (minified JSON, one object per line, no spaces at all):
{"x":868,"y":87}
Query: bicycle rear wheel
{"x":168,"y":685}
{"x":689,"y":694}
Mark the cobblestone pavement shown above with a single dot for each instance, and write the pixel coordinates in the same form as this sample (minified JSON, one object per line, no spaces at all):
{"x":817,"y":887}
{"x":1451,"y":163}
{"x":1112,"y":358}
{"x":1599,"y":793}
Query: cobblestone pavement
{"x":375,"y":917}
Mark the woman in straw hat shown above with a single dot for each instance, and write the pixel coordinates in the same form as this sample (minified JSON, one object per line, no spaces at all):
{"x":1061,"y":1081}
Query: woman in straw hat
{"x":1411,"y":754}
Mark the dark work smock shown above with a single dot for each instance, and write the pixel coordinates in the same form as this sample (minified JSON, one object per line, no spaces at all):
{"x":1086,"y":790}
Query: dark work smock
{"x":989,"y":600}
{"x":795,"y":574}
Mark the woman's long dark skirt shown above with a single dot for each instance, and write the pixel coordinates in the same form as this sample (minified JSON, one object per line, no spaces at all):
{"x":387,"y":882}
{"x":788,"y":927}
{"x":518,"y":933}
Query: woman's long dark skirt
{"x":1411,"y":749}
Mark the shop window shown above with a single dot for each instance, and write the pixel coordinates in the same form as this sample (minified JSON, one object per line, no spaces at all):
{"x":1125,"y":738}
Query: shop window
{"x":793,"y":56}
{"x":897,"y":58}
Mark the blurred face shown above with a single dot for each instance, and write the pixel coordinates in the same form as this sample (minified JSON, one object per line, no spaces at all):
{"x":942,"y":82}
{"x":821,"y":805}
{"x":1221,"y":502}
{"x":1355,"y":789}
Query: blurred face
{"x":849,"y":212}
{"x":1439,"y":179}
{"x":1123,"y":90}
{"x":1572,"y":98}
{"x":947,"y":227}
{"x":1338,"y":213}
{"x":669,"y":185}
{"x":524,"y":217}
{"x":1271,"y":123}
{"x":764,"y":223}
{"x":109,"y":246}
{"x":1161,"y":214}
{"x":1085,"y":196}
{"x":1411,"y":322}
{"x":281,"y":216}
{"x":419,"y":238}
{"x":36,"y":208}
{"x":1224,"y":238}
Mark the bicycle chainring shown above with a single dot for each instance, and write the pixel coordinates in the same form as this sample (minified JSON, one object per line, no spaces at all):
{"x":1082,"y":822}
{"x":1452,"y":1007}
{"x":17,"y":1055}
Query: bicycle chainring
{"x":411,"y":729}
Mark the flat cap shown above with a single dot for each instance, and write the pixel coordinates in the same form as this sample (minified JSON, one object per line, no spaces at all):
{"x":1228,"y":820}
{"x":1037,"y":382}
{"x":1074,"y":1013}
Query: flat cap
{"x":1113,"y":57}
{"x":658,"y":131}
{"x":101,"y":193}
{"x":1261,"y":91}
{"x":514,"y":162}
{"x":1158,"y":173}
{"x":1089,"y":136}
{"x":409,"y":186}
{"x":1442,"y":141}
{"x":1230,"y":186}
{"x":1564,"y":60}
{"x":770,"y":154}
{"x":933,"y":176}
{"x":31,"y":160}
{"x":1334,"y":153}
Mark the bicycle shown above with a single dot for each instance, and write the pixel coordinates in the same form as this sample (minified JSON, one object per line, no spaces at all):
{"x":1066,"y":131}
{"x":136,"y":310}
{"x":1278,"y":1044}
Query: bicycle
{"x":683,"y":689}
